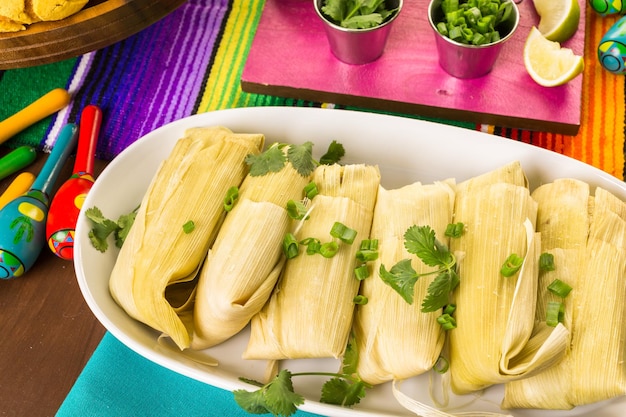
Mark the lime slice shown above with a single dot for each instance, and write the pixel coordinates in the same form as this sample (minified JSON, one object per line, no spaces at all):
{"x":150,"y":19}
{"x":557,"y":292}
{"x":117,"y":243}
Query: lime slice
{"x":558,"y":18}
{"x":548,"y":63}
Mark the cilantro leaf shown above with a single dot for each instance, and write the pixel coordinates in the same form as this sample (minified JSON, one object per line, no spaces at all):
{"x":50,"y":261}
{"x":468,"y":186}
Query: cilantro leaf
{"x":439,"y":291}
{"x":276,"y":397}
{"x":401,"y":277}
{"x":339,"y":391}
{"x":102,"y":228}
{"x":124,"y":224}
{"x":301,"y":157}
{"x":334,"y":153}
{"x":272,"y":160}
{"x":421,"y":241}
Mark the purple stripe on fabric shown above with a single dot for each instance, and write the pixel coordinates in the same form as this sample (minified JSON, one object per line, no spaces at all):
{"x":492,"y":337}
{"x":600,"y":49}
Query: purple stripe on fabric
{"x":153,"y":77}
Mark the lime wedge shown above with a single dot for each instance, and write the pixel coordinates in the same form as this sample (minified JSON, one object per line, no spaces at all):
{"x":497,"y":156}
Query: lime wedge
{"x":558,"y":18}
{"x":548,"y":63}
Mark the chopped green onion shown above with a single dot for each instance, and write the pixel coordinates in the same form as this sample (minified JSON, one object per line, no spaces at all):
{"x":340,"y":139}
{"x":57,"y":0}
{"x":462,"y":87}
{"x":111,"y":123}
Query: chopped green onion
{"x":360,"y":300}
{"x":368,"y":250}
{"x":312,"y":244}
{"x":473,"y":22}
{"x":189,"y":226}
{"x":343,"y":232}
{"x":442,"y":365}
{"x":555,"y":313}
{"x":446,"y":321}
{"x":361,"y":272}
{"x":559,"y":288}
{"x":546,"y":262}
{"x":454,"y":229}
{"x":310,"y":190}
{"x":449,"y":309}
{"x":290,"y":246}
{"x":232,"y":195}
{"x":512,"y":264}
{"x":328,"y":250}
{"x":296,"y":209}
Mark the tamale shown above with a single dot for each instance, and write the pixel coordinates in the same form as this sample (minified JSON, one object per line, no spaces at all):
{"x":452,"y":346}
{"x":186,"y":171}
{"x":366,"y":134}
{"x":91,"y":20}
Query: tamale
{"x":563,"y":220}
{"x":593,"y":262}
{"x":310,"y":312}
{"x":158,"y":253}
{"x":395,"y":339}
{"x":246,"y":259}
{"x":494,"y":340}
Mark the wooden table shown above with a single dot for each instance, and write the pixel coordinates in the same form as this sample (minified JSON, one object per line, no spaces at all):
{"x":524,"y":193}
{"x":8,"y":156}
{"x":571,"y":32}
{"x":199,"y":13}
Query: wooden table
{"x":48,"y":331}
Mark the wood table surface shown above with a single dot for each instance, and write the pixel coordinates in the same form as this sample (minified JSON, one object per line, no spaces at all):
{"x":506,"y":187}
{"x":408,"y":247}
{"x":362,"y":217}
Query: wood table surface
{"x":47,"y":331}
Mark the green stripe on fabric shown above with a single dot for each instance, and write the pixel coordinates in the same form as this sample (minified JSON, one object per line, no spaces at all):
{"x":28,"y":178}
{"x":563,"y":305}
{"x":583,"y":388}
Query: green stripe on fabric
{"x":20,"y":87}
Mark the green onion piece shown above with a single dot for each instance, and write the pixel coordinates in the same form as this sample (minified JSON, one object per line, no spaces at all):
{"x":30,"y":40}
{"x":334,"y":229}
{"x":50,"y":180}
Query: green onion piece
{"x":446,"y":321}
{"x":310,"y":190}
{"x":343,"y":232}
{"x":559,"y":288}
{"x":189,"y":226}
{"x":546,"y":262}
{"x":361,"y":272}
{"x":555,"y":313}
{"x":360,"y":300}
{"x":442,"y":365}
{"x":368,"y":251}
{"x":449,"y":5}
{"x":296,"y":209}
{"x":512,"y":264}
{"x":449,"y":309}
{"x":328,"y":250}
{"x":290,"y":246}
{"x":231,"y":197}
{"x":454,"y":229}
{"x":442,"y":28}
{"x":312,"y":244}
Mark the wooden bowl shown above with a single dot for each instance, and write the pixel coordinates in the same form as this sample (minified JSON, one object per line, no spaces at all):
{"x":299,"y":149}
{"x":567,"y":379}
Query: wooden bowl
{"x":99,"y":24}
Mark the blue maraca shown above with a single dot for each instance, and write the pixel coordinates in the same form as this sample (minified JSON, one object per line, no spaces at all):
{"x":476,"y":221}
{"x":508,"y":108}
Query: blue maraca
{"x":612,"y":48}
{"x":23,"y":220}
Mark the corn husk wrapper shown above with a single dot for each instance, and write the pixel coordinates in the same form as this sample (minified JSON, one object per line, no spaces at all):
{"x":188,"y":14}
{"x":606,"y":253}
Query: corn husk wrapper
{"x":394,"y":339}
{"x":246,"y":259}
{"x":592,"y":261}
{"x":495,"y":339}
{"x":158,"y":258}
{"x":563,"y":220}
{"x":310,"y":312}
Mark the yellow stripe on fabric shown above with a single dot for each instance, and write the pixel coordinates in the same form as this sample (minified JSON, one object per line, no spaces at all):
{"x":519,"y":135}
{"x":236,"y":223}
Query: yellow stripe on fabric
{"x":223,"y":88}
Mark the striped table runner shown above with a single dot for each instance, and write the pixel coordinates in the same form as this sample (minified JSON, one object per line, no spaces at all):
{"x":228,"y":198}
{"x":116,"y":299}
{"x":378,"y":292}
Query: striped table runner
{"x":191,"y":62}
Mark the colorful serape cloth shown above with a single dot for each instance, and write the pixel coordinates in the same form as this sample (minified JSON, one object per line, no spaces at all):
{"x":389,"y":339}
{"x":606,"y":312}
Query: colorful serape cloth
{"x":191,"y":62}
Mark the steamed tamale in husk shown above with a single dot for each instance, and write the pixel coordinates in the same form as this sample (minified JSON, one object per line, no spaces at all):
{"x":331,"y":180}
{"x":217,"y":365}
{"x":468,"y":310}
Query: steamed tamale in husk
{"x":310,"y":312}
{"x":394,"y":339}
{"x":495,"y":339}
{"x":158,"y":255}
{"x":246,"y":259}
{"x":587,"y":236}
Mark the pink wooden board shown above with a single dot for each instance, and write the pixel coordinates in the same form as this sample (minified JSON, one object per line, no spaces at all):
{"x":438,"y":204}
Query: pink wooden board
{"x":290,"y":57}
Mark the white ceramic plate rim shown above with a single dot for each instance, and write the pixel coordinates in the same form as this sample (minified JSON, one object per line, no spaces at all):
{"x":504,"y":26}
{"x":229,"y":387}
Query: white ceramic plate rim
{"x":406,"y":150}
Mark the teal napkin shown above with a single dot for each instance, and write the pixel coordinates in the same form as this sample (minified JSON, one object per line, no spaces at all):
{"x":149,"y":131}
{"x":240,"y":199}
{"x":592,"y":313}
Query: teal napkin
{"x":119,"y":382}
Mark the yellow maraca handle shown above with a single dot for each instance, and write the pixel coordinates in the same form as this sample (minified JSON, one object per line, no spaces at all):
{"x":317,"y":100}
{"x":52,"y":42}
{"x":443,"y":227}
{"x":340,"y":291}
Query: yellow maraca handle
{"x":44,"y":106}
{"x":20,"y":185}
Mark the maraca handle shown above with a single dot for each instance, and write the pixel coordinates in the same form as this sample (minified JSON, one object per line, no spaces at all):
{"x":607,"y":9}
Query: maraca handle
{"x":608,"y":7}
{"x":63,"y":147}
{"x":49,"y":103}
{"x":90,"y":121}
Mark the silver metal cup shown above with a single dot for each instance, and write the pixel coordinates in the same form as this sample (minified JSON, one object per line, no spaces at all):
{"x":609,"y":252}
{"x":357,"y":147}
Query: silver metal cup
{"x":358,"y":46}
{"x":469,"y":61}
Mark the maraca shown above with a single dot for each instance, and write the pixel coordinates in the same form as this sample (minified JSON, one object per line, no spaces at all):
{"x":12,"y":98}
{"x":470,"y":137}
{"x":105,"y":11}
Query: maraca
{"x":68,"y":200}
{"x":608,"y":7}
{"x":23,"y":220}
{"x":612,"y":48}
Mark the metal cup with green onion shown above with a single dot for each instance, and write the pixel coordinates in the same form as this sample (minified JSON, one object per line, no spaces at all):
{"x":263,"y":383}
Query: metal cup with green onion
{"x":469,"y":34}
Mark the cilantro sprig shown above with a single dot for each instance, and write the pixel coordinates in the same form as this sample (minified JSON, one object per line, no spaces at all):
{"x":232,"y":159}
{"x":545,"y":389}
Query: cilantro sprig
{"x":278,"y":397}
{"x":357,"y":14}
{"x":421,"y":241}
{"x":104,"y":227}
{"x":274,"y":159}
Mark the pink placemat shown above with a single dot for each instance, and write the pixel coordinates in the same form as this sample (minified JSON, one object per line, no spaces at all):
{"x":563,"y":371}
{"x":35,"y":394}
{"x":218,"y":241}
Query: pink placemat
{"x":290,"y":57}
